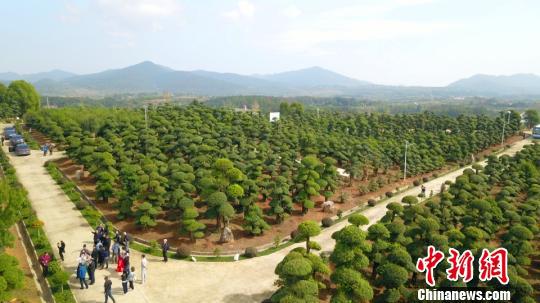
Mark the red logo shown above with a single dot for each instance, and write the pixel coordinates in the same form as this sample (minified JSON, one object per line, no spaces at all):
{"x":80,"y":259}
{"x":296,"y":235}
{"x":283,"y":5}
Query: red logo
{"x":460,"y":265}
{"x":429,"y":263}
{"x":493,"y":265}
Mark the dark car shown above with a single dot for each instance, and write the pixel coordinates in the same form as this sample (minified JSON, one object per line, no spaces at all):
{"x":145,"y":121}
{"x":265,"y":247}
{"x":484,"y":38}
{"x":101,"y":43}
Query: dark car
{"x":9,"y":133}
{"x":22,"y":150}
{"x":14,"y":141}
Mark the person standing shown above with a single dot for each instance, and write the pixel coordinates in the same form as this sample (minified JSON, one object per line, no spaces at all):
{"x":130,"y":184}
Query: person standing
{"x":108,"y":290}
{"x":82,"y":275}
{"x":120,"y":265}
{"x":126,"y":240}
{"x":51,"y":147}
{"x":131,"y":277}
{"x":164,"y":249}
{"x":126,"y":262}
{"x":144,"y":267}
{"x":125,"y":281}
{"x":115,"y":251}
{"x":44,"y":261}
{"x":92,"y":271}
{"x":3,"y":140}
{"x":45,"y":148}
{"x":61,"y":249}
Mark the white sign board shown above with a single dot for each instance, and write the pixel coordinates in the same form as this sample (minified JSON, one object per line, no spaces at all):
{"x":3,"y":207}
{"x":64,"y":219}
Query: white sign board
{"x":274,"y":116}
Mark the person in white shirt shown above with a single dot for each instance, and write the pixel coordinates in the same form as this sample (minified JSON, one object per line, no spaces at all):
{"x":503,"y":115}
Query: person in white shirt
{"x":144,"y":266}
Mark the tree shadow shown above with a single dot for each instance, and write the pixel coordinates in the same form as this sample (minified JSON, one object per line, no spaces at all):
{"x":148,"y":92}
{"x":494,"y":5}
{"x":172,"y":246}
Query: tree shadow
{"x":243,"y":298}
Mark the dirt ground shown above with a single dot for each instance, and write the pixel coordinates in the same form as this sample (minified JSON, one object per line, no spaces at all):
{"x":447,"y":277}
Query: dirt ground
{"x":30,"y":292}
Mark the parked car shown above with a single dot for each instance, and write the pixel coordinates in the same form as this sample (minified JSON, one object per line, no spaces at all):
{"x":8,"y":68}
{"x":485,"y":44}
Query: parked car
{"x":14,"y":141}
{"x":22,"y":150}
{"x":8,"y":132}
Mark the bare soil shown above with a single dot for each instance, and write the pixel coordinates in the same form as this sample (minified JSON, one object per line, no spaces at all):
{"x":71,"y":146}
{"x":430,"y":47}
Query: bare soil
{"x":168,"y":225}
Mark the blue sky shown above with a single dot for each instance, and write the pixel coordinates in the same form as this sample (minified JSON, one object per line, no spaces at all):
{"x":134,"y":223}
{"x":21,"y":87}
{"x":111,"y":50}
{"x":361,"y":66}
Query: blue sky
{"x":408,"y":42}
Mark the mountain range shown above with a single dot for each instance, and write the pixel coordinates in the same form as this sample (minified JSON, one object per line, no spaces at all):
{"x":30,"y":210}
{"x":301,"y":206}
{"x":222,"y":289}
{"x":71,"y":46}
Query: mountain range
{"x":148,"y":77}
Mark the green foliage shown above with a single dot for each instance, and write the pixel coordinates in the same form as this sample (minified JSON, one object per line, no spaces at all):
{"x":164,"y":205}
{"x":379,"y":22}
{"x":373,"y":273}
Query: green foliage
{"x":19,"y":97}
{"x":254,"y":221}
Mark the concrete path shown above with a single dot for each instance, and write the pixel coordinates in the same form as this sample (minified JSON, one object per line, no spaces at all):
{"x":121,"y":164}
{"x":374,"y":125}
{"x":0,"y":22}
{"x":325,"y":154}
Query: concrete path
{"x":176,"y":281}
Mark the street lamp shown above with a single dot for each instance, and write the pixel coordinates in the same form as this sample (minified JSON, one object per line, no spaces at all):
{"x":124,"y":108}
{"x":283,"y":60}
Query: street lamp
{"x":405,"y":166}
{"x":504,"y":124}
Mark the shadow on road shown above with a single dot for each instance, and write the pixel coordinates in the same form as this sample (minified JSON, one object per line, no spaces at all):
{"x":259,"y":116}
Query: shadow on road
{"x":243,"y":298}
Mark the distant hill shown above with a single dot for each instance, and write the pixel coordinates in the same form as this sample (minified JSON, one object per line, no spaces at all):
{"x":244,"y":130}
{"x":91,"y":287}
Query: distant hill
{"x":148,"y":77}
{"x":313,"y":76}
{"x":56,"y":75}
{"x":518,"y":84}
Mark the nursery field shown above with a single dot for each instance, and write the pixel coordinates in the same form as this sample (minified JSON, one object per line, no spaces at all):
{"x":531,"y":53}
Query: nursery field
{"x":198,"y":175}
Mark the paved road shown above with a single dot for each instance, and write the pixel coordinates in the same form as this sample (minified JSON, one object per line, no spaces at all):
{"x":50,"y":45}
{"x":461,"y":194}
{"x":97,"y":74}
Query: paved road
{"x":176,"y":281}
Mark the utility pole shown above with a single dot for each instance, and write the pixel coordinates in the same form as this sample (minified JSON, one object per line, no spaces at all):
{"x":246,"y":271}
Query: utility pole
{"x":504,"y":124}
{"x":405,"y":167}
{"x":146,"y":115}
{"x":48,"y":106}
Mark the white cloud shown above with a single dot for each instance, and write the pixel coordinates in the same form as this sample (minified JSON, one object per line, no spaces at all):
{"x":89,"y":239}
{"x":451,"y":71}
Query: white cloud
{"x":307,"y":38}
{"x":292,"y":11}
{"x":355,"y":24}
{"x":140,"y":8}
{"x":243,"y":9}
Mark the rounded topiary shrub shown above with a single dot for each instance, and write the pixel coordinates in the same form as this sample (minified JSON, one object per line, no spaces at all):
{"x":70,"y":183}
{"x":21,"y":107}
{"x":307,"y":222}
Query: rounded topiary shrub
{"x":416,"y":182}
{"x":448,"y":182}
{"x":327,"y":222}
{"x":251,"y":252}
{"x":81,"y":204}
{"x":389,"y":194}
{"x":425,"y":179}
{"x":183,"y":252}
{"x":371,"y":202}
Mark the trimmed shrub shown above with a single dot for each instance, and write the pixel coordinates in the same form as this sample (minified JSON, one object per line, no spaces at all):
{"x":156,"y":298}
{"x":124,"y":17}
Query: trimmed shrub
{"x":339,"y":213}
{"x":389,"y":194}
{"x":183,"y":252}
{"x":435,"y":175}
{"x":251,"y":252}
{"x":448,"y":182}
{"x":416,"y":182}
{"x":327,"y":222}
{"x":82,"y":204}
{"x":425,"y":179}
{"x":371,"y":202}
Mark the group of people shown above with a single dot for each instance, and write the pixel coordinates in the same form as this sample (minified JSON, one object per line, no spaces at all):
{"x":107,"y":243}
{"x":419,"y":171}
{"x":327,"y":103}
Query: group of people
{"x":47,"y":148}
{"x":98,"y":258}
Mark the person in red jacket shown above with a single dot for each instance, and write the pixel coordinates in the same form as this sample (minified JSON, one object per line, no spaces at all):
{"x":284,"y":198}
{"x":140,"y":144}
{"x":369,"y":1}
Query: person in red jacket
{"x":44,"y":261}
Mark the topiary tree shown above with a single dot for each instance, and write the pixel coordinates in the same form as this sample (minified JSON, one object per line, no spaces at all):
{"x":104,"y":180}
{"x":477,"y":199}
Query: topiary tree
{"x":358,"y":220}
{"x":307,"y":182}
{"x":410,"y":200}
{"x":392,"y":277}
{"x":146,"y":215}
{"x":190,"y":224}
{"x":299,"y":277}
{"x":254,"y":222}
{"x":307,"y":230}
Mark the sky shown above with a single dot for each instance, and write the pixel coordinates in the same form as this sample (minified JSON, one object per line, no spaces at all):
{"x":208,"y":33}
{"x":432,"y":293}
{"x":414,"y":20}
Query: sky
{"x":398,"y":42}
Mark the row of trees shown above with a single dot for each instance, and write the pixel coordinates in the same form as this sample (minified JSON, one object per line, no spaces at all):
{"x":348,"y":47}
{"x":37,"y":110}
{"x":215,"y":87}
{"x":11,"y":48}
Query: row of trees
{"x":17,"y":98}
{"x":484,"y":208}
{"x":233,"y":162}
